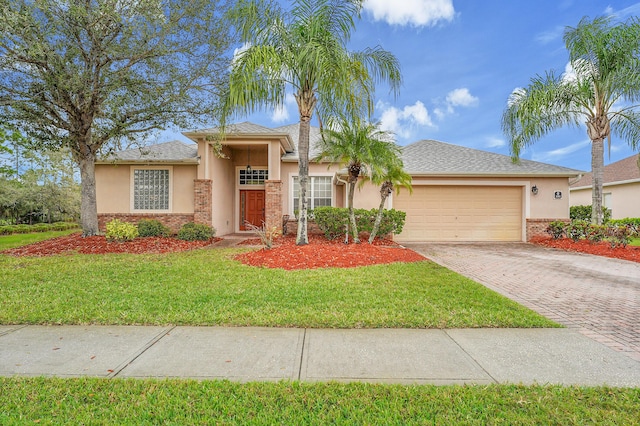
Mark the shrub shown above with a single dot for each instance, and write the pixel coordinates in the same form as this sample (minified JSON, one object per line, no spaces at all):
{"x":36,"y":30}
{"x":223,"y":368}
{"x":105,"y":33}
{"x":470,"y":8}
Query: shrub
{"x":21,"y":229}
{"x":152,"y":228}
{"x":596,"y":233}
{"x":584,"y":213}
{"x":120,"y":231}
{"x":41,"y":227}
{"x":7,"y":229}
{"x":195,"y":232}
{"x":577,"y":230}
{"x":332,"y":221}
{"x":633,"y":223}
{"x":556,"y":229}
{"x":619,"y":235}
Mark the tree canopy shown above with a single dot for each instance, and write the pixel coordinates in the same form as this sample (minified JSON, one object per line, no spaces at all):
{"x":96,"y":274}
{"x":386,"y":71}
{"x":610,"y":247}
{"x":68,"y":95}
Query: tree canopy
{"x":304,"y":50}
{"x":363,"y":148}
{"x":86,"y":74}
{"x":602,"y":92}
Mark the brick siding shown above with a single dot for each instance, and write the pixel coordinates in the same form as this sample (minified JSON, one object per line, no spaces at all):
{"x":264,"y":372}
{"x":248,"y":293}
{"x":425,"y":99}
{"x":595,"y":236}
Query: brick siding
{"x":173,"y":221}
{"x":202,"y":201}
{"x":537,"y":227}
{"x":273,"y":204}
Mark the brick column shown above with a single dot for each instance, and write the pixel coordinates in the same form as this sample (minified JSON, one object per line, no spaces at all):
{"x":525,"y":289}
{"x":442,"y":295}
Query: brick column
{"x":537,"y":227}
{"x":202,"y":201}
{"x":273,"y":204}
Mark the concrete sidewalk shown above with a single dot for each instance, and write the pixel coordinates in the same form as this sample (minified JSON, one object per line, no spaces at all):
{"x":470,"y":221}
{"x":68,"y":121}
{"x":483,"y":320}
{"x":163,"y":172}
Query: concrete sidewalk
{"x":458,"y":356}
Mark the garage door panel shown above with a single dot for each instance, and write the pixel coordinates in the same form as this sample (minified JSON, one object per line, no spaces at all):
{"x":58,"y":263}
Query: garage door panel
{"x":461,"y":213}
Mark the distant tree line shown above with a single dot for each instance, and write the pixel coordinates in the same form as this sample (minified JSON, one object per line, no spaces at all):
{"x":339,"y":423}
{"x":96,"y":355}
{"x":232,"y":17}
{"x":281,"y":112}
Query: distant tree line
{"x":36,"y":186}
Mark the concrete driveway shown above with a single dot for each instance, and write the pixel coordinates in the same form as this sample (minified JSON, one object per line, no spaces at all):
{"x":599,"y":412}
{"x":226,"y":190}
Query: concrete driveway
{"x":597,"y":296}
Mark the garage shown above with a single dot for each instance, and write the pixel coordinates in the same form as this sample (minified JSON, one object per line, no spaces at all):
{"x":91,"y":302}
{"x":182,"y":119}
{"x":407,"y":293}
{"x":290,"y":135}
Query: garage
{"x":461,"y":213}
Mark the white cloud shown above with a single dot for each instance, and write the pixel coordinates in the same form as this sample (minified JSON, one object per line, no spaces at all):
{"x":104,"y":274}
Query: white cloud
{"x":551,"y":35}
{"x":281,"y":113}
{"x":403,"y":121}
{"x":494,"y":142}
{"x":461,"y":97}
{"x":456,"y":98}
{"x":417,"y":13}
{"x":559,"y":153}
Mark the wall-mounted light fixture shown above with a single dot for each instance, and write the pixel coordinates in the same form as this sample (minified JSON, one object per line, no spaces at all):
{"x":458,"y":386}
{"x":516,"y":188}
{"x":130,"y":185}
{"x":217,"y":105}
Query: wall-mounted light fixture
{"x":248,"y":160}
{"x":534,"y":190}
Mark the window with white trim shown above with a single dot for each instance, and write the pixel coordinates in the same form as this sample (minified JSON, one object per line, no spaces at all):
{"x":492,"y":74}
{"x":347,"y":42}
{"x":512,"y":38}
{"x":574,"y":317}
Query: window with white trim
{"x":319,"y":191}
{"x":253,"y":176}
{"x":151,"y":189}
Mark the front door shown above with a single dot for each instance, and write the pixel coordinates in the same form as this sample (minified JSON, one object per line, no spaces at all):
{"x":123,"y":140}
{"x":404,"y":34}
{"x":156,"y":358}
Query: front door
{"x":251,"y":208}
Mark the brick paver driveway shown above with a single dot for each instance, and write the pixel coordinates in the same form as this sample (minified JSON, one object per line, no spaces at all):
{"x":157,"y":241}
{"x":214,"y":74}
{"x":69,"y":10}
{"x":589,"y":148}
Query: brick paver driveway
{"x":598,"y":296}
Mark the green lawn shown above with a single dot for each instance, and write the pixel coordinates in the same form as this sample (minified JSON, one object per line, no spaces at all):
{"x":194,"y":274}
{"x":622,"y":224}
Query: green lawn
{"x":208,"y":287}
{"x":635,"y":242}
{"x":17,"y":240}
{"x":132,"y":401}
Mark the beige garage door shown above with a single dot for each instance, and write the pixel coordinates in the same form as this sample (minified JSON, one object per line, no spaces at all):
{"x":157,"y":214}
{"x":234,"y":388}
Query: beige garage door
{"x":461,"y":213}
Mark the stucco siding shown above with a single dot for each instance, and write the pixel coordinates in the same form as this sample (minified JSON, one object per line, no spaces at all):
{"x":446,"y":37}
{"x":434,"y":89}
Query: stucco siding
{"x":112,"y":188}
{"x":624,"y":199}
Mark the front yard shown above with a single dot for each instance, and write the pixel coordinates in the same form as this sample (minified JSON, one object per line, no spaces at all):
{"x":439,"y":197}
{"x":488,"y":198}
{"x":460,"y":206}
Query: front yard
{"x":208,"y":287}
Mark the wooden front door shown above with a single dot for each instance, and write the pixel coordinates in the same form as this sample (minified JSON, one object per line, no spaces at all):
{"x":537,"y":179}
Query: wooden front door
{"x":251,"y":208}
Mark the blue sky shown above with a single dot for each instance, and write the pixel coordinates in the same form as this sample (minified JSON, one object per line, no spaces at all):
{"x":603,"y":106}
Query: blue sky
{"x":461,"y":60}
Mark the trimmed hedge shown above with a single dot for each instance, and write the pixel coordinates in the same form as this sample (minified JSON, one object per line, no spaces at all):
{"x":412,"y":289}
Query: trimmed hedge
{"x":39,"y":227}
{"x":332,"y":221}
{"x":152,"y":228}
{"x":584,"y":213}
{"x":196,"y":232}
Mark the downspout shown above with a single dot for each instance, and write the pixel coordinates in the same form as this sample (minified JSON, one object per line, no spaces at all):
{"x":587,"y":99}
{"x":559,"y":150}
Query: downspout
{"x":345,"y":183}
{"x":576,"y":179}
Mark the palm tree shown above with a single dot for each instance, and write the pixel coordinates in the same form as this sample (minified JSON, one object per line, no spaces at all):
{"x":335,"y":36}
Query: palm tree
{"x":391,"y":176}
{"x":304,"y":50}
{"x":604,"y":92}
{"x":360,"y":146}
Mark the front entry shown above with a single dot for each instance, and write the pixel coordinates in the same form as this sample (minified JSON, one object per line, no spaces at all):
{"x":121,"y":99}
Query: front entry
{"x":251,"y":208}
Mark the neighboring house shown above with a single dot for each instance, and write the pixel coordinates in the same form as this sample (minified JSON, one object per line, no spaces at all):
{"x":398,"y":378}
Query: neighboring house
{"x":621,"y":188}
{"x":459,"y":194}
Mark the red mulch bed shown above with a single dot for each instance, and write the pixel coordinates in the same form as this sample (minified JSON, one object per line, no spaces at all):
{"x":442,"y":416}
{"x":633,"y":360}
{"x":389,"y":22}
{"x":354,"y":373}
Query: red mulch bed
{"x":322,"y":253}
{"x":584,"y":246}
{"x":75,"y":243}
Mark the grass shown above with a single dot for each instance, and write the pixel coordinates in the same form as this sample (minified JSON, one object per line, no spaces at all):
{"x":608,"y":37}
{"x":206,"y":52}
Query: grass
{"x":17,"y":240}
{"x":635,"y":242}
{"x":208,"y":287}
{"x":101,"y":401}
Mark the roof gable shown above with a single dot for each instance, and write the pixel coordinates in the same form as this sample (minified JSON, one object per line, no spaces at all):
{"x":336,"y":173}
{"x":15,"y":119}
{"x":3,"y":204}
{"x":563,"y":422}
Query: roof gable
{"x":620,"y":171}
{"x":430,"y":157}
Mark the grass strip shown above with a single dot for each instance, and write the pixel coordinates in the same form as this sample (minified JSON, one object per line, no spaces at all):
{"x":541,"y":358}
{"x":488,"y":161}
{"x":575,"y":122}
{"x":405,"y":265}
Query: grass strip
{"x":18,"y":240}
{"x":208,"y":287}
{"x":100,"y":401}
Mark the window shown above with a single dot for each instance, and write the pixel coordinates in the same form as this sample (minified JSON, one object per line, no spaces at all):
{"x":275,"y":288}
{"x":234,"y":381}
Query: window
{"x":253,"y":177}
{"x":318,"y":191}
{"x":151,"y":189}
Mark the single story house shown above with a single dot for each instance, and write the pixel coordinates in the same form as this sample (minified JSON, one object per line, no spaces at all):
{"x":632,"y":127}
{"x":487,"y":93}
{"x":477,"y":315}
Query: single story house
{"x":621,"y":188}
{"x":459,"y":193}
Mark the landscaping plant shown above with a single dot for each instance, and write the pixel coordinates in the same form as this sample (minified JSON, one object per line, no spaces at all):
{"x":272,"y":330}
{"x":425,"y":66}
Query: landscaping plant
{"x":120,"y":231}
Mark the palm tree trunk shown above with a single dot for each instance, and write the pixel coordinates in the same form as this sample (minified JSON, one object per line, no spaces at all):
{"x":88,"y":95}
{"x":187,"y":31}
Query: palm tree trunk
{"x":302,"y":238}
{"x":352,"y":216}
{"x":597,"y":169}
{"x":384,"y":194}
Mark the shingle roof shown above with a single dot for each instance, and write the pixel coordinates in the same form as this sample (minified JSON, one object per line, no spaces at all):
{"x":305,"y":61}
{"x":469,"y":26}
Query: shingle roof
{"x":246,"y":127}
{"x":162,"y":152}
{"x":429,"y":157}
{"x":620,"y":171}
{"x":294,"y":132}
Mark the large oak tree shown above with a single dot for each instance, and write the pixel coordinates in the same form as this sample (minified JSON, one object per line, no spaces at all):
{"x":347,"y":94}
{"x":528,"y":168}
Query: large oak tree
{"x":89,"y":73}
